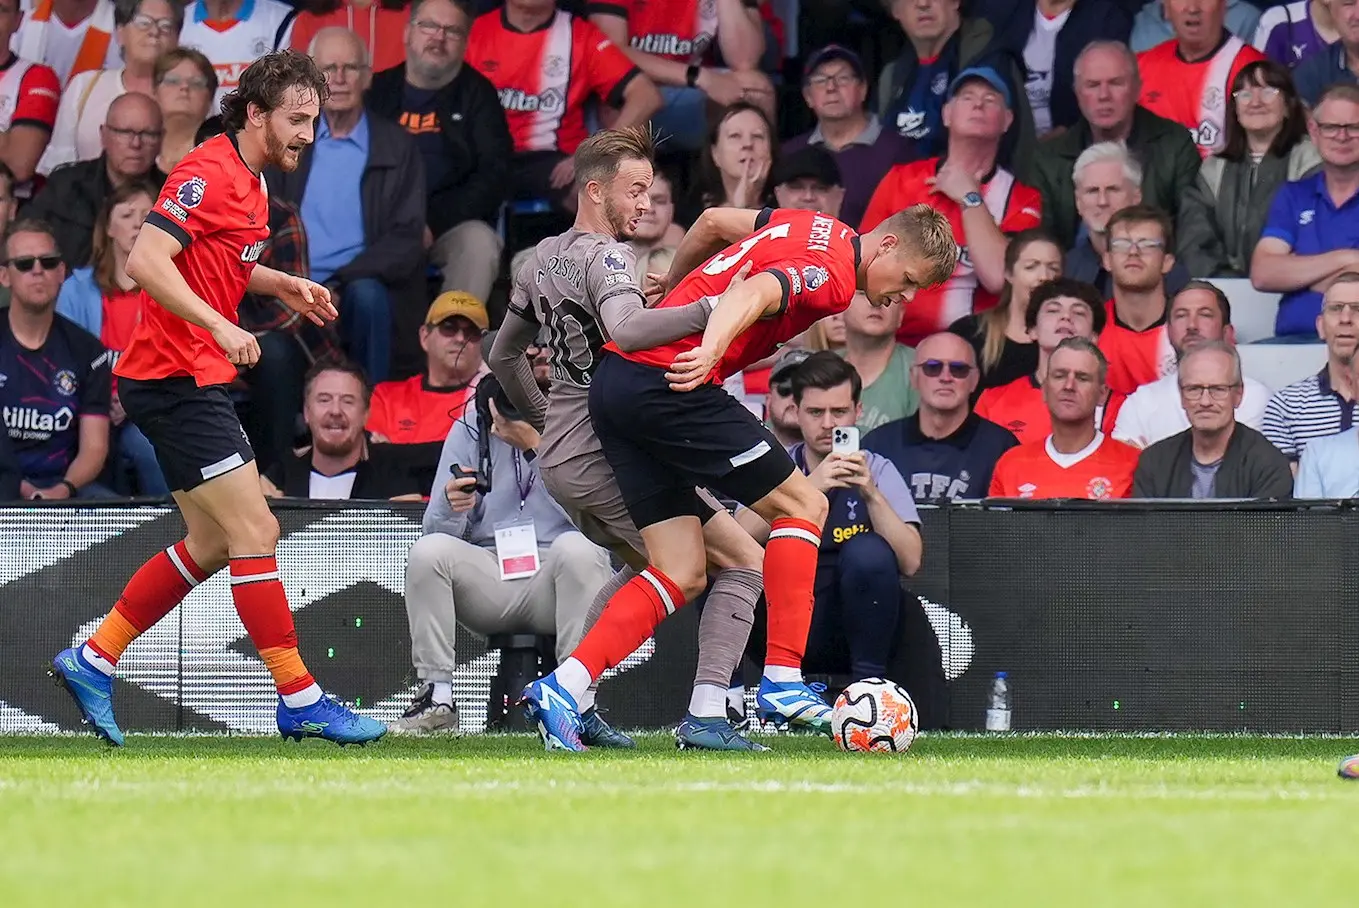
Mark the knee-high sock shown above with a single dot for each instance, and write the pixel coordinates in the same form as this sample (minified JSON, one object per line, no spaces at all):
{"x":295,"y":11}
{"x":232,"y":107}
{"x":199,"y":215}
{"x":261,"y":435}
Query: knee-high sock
{"x":789,"y":578}
{"x":723,"y":631}
{"x":628,"y":620}
{"x":158,"y":586}
{"x":263,"y":607}
{"x":606,"y":592}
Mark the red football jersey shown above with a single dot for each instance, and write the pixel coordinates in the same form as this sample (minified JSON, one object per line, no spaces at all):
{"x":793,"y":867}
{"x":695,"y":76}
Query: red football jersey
{"x":1013,"y":206}
{"x":1195,"y":95}
{"x":409,"y":413}
{"x":30,"y":94}
{"x":544,"y":77}
{"x":1136,"y":358}
{"x":680,"y":30}
{"x":218,"y":209}
{"x":1102,"y":471}
{"x":1019,"y":407}
{"x":814,"y":257}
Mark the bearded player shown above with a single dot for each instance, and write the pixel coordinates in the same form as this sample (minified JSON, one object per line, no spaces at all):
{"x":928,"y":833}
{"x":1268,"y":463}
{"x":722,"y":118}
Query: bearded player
{"x":581,"y":287}
{"x":194,"y":258}
{"x":666,"y":427}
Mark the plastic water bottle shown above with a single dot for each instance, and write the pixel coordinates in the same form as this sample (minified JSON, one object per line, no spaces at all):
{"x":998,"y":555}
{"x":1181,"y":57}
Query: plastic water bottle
{"x":998,"y":704}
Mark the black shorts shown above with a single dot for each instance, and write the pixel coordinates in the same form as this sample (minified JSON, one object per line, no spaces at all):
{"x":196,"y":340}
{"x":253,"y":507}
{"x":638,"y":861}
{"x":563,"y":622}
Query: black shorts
{"x":662,"y":443}
{"x":195,"y":431}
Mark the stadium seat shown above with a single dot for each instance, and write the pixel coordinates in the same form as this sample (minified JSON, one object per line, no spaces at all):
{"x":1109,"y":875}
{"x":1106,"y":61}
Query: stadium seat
{"x":1279,"y":365}
{"x":1253,"y":311}
{"x":523,"y":658}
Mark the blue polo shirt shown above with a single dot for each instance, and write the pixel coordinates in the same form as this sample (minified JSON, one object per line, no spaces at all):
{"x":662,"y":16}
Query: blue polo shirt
{"x":1320,"y":71}
{"x":332,"y":204}
{"x":1305,"y":218}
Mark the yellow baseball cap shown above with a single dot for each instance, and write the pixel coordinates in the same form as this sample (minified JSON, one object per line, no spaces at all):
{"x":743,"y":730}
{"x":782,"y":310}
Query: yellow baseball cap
{"x":454,"y":303}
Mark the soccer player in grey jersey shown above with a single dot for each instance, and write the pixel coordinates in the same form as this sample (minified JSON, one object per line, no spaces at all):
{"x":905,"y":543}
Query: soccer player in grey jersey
{"x":581,"y":287}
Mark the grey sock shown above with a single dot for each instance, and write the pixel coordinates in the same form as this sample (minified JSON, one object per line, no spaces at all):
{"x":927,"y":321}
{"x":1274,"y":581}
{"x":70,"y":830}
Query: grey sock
{"x":728,"y":616}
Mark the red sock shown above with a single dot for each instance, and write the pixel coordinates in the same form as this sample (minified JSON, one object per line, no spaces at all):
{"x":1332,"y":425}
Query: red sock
{"x":263,"y":607}
{"x":628,"y":619}
{"x":151,"y":594}
{"x":789,"y":575}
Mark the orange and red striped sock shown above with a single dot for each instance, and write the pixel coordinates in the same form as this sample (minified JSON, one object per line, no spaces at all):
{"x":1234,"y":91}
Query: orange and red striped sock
{"x":151,"y":594}
{"x":263,"y":607}
{"x":789,"y":578}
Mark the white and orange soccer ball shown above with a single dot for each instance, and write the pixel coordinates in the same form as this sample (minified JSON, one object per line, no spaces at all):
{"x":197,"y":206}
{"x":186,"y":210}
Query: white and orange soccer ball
{"x":874,"y":715}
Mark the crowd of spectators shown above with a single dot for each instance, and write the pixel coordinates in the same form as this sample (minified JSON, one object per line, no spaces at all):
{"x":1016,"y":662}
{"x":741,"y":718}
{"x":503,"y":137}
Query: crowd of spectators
{"x":1104,"y":165}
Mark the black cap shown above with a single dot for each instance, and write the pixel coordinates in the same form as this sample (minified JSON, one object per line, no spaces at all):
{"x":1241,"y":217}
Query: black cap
{"x":813,"y":161}
{"x":833,"y":52}
{"x":789,"y":359}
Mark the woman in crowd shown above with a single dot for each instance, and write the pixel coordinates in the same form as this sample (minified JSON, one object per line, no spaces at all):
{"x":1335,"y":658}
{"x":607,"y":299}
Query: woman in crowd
{"x":144,"y":29}
{"x":1000,"y":335}
{"x":1223,"y":214}
{"x":185,"y":85}
{"x":734,"y":169}
{"x":103,"y":300}
{"x":827,"y":334}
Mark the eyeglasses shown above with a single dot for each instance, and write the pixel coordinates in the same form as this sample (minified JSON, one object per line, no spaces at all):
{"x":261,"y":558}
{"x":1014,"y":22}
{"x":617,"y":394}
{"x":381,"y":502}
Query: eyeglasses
{"x":435,"y":30}
{"x":1216,"y":392}
{"x":1266,"y":93}
{"x":1146,"y":244}
{"x":840,"y":80}
{"x":349,"y":70}
{"x":1341,"y":308}
{"x":1333,"y":130}
{"x":933,"y":368}
{"x":197,"y":83}
{"x":453,"y":327}
{"x":25,"y":263}
{"x":138,"y":135}
{"x":144,"y":23}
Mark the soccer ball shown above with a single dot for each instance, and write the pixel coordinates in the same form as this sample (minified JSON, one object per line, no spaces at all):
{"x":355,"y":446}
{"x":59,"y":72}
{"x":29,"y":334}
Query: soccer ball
{"x":874,"y":715}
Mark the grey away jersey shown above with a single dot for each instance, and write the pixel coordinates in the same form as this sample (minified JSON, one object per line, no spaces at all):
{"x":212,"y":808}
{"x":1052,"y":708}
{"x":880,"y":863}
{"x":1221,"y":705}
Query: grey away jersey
{"x":562,"y":287}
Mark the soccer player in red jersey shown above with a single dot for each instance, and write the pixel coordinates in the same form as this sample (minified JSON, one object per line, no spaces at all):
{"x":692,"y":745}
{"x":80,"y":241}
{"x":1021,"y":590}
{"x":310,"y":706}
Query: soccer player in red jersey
{"x":666,"y":427}
{"x":194,"y":259}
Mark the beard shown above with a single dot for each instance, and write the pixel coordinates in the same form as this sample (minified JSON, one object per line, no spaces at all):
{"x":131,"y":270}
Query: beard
{"x":331,"y":448}
{"x":618,"y":223}
{"x":276,"y":151}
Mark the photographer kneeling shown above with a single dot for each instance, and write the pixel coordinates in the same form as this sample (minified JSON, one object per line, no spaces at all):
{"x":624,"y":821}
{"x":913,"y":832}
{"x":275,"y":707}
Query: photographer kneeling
{"x":497,"y":555}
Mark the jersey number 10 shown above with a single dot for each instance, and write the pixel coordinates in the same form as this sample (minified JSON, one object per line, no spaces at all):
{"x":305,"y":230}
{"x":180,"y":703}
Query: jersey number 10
{"x":720,"y":263}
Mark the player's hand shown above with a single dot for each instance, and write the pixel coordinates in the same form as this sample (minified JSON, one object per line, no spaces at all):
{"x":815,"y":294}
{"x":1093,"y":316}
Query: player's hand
{"x":655,"y":287}
{"x":563,"y":174}
{"x":953,"y":181}
{"x":692,"y":368}
{"x":829,"y":474}
{"x":240,"y":346}
{"x":750,"y":189}
{"x":459,"y":493}
{"x":514,"y":432}
{"x":307,"y":297}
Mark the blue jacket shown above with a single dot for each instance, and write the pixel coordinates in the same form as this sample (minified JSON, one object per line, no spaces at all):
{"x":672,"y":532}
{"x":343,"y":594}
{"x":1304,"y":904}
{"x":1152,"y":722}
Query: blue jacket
{"x":82,"y":301}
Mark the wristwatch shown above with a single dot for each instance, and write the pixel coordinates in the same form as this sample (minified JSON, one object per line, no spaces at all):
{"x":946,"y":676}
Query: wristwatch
{"x":972,"y":200}
{"x":691,"y":75}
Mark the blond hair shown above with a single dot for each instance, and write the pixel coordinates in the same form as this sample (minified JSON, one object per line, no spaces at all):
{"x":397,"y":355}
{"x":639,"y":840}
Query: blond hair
{"x":924,"y":231}
{"x":598,"y":157}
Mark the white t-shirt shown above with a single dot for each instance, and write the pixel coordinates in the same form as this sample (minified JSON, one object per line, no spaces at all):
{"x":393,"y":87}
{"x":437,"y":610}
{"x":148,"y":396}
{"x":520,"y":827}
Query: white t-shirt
{"x":1039,"y":55}
{"x":331,"y":488}
{"x":233,"y":49}
{"x":1154,"y":411}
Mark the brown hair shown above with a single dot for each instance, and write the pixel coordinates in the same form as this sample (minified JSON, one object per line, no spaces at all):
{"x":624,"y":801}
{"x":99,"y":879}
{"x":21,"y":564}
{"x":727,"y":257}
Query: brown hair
{"x":1144,"y":214}
{"x":1072,"y":289}
{"x":708,"y":186}
{"x":1294,"y":127}
{"x":1086,"y":345}
{"x":1224,"y":305}
{"x":995,"y":320}
{"x":101,"y":258}
{"x":924,"y":231}
{"x":177,"y":55}
{"x":337,"y":364}
{"x":265,"y":81}
{"x":598,"y":157}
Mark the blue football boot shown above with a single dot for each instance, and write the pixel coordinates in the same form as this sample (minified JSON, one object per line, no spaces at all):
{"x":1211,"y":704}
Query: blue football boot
{"x":793,"y":703}
{"x":713,"y":734}
{"x":328,"y":719}
{"x":595,"y":732}
{"x":552,"y":710}
{"x":92,"y":691}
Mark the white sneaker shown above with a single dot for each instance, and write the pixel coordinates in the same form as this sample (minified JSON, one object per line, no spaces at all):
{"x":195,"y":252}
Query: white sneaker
{"x":426,"y":717}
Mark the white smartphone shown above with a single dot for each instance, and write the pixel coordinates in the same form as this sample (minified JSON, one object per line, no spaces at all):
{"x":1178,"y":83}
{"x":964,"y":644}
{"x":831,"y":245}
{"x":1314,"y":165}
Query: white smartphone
{"x":845,"y":440}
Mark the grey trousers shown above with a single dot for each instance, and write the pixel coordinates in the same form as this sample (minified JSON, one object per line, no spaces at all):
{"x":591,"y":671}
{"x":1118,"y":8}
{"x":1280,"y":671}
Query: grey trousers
{"x":469,"y":257}
{"x":451,"y":582}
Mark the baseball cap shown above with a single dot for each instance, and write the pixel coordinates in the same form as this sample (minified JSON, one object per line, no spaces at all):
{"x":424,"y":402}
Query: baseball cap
{"x":833,"y":52}
{"x":454,"y":303}
{"x":789,"y":359}
{"x":813,"y":161}
{"x":987,"y":75}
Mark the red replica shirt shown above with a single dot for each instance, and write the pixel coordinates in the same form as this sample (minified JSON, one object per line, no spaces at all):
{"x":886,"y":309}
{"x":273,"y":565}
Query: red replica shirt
{"x":545,"y":76}
{"x":380,"y":28}
{"x":1136,"y":358}
{"x":1013,"y":206}
{"x":1102,"y":471}
{"x":410,"y":413}
{"x":30,"y":94}
{"x":680,"y":30}
{"x":1195,"y":95}
{"x":814,"y":257}
{"x":218,"y":209}
{"x":1019,"y":407}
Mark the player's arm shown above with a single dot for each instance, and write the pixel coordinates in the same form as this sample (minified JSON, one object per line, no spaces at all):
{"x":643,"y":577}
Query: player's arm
{"x":632,"y":326}
{"x":743,"y":304}
{"x":715,"y":230}
{"x":513,"y":369}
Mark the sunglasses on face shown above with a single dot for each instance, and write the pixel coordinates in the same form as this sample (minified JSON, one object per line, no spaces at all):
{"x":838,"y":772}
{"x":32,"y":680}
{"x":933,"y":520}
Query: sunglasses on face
{"x":933,"y":368}
{"x":452,"y":328}
{"x":25,"y":263}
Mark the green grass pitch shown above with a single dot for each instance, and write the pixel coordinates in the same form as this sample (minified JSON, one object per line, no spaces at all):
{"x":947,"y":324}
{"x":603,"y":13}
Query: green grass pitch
{"x":493,"y":821}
